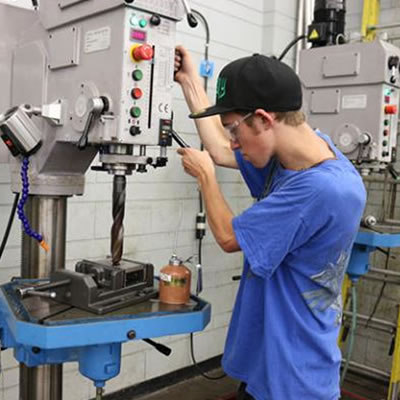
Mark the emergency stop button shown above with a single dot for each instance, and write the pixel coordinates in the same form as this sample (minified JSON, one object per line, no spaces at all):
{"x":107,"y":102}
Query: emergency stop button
{"x":142,"y":52}
{"x":391,"y":109}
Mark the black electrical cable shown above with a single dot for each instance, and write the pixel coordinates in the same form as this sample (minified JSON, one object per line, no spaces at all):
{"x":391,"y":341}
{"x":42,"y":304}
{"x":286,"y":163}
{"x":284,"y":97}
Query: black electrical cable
{"x":199,"y":256}
{"x":290,"y":45}
{"x":202,"y":373}
{"x":206,"y":47}
{"x":386,"y":253}
{"x":207,"y":29}
{"x":201,"y":207}
{"x":9,"y":224}
{"x":378,"y":300}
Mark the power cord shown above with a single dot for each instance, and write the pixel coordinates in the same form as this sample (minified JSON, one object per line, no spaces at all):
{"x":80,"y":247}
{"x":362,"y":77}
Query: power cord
{"x":200,"y":233}
{"x":9,"y":224}
{"x":202,"y":373}
{"x":290,"y":45}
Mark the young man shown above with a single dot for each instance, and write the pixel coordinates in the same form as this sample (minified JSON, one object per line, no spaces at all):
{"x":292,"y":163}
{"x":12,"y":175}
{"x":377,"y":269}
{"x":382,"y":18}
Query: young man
{"x":296,"y":239}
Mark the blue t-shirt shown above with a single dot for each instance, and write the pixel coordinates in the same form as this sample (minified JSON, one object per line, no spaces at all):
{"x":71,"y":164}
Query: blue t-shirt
{"x":282,"y":339}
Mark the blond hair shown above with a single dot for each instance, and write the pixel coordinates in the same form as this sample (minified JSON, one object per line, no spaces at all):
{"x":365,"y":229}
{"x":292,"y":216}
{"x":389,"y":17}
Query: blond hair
{"x":292,"y":118}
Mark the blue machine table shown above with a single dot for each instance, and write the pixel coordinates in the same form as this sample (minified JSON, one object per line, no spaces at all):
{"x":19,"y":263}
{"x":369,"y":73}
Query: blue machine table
{"x":42,"y":331}
{"x":365,"y":243}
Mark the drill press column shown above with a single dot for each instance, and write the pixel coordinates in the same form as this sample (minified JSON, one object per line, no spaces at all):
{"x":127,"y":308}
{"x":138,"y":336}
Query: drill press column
{"x":48,"y":215}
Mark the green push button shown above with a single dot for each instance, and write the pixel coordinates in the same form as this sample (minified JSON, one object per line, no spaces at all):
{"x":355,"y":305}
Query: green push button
{"x":136,"y":112}
{"x":386,"y":122}
{"x":384,"y":143}
{"x":137,"y":75}
{"x":142,"y":23}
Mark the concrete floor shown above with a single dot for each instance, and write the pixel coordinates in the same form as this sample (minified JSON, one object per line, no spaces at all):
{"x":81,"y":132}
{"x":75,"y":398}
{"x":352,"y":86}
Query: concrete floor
{"x":199,"y":388}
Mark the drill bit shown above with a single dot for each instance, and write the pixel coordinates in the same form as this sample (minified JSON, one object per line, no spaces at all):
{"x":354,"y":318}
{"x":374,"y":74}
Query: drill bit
{"x":118,"y":212}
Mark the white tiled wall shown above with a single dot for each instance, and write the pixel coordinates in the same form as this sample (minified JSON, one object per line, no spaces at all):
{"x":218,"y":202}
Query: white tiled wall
{"x":157,"y":201}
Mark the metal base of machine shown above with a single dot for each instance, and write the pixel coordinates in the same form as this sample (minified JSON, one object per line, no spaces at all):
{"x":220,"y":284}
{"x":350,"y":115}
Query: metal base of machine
{"x":42,"y":331}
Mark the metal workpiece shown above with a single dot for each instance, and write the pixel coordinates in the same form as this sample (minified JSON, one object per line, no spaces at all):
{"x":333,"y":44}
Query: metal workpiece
{"x":118,"y":213}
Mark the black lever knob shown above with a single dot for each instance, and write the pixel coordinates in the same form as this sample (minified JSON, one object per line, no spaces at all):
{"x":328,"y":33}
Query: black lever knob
{"x":155,"y":20}
{"x":192,"y":21}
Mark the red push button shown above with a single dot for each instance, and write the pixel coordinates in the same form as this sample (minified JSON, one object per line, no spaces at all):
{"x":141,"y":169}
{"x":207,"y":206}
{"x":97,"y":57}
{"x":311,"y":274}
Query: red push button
{"x":391,"y":109}
{"x":143,"y":52}
{"x":137,"y":93}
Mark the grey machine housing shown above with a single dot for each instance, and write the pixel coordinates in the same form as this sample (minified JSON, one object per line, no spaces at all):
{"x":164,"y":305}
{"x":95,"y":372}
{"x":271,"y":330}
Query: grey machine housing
{"x":76,"y":51}
{"x":347,"y":90}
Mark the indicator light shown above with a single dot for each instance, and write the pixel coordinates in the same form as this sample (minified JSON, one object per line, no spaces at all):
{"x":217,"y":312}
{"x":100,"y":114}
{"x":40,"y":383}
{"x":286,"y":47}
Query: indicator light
{"x":142,"y":23}
{"x":133,"y":20}
{"x":137,"y":93}
{"x":135,"y":112}
{"x":137,"y":75}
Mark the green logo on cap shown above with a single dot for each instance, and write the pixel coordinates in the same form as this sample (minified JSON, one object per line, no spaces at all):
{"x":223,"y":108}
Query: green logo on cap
{"x":221,"y":88}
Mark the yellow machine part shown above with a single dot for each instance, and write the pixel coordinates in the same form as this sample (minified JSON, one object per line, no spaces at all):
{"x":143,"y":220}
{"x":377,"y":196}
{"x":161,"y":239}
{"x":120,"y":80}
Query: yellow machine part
{"x":345,"y":295}
{"x":370,"y":17}
{"x":395,"y":374}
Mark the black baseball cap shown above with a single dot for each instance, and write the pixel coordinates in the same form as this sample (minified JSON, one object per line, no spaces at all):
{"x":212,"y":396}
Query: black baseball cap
{"x":255,"y":82}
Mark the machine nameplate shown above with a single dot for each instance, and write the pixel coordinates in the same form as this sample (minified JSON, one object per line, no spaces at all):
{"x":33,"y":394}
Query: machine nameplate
{"x":354,"y":101}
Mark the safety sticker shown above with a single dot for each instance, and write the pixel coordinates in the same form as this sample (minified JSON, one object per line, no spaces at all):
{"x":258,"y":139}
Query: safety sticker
{"x":97,"y":40}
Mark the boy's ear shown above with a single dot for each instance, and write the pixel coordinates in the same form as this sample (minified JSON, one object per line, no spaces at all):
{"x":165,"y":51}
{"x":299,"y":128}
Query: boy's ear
{"x":267,"y":119}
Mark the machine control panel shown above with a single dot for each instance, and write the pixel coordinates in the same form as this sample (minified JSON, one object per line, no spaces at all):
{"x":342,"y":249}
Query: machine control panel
{"x":147,"y":77}
{"x":351,"y":93}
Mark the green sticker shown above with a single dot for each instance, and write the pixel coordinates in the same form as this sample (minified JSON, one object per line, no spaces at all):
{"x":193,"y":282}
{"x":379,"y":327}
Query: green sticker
{"x":221,"y":87}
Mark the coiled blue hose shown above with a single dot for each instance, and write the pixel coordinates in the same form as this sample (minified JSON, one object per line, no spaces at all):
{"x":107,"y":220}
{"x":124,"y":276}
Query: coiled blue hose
{"x":21,"y":205}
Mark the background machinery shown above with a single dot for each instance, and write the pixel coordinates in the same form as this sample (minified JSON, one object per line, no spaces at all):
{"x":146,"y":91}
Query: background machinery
{"x":351,"y":93}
